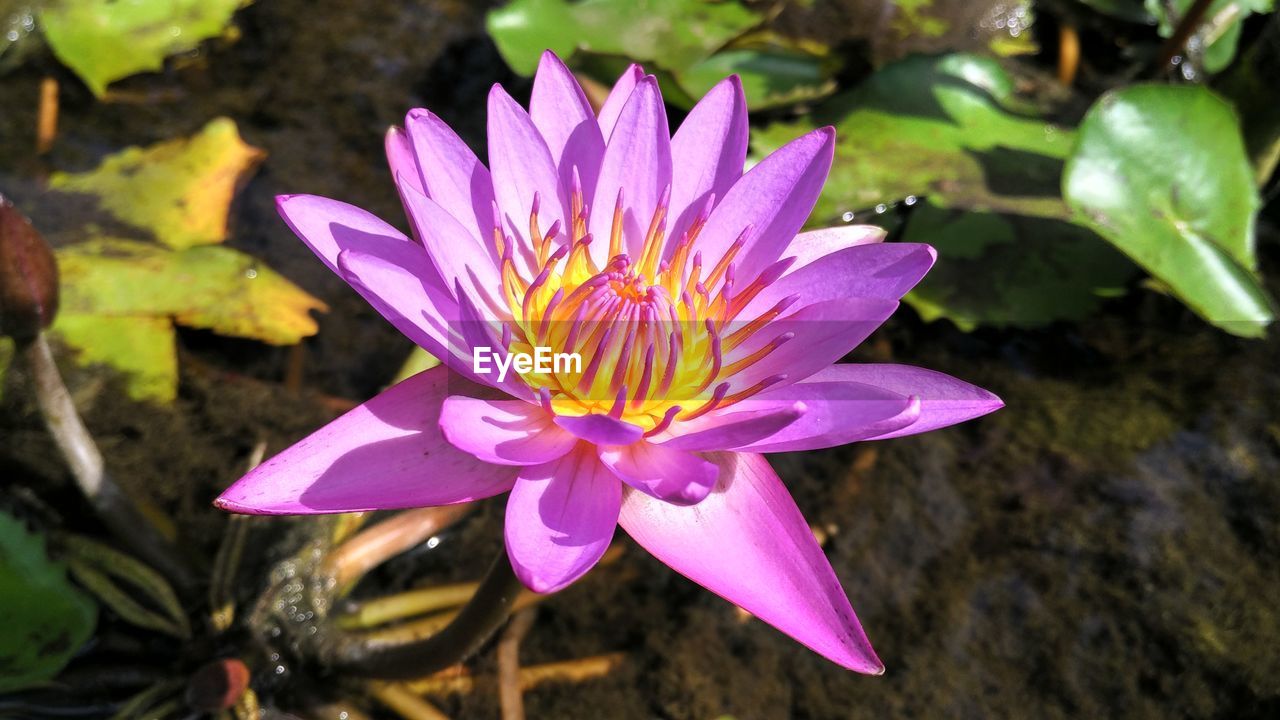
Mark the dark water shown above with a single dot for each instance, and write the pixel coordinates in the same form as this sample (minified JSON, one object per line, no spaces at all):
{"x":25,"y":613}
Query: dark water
{"x":1105,"y":546}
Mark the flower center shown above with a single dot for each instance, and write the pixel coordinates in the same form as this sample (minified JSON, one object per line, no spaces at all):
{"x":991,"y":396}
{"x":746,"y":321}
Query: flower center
{"x":658,"y":336}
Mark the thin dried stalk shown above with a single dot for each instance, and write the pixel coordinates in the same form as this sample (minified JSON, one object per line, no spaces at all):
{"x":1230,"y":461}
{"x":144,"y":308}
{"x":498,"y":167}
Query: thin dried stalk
{"x":510,"y":698}
{"x":226,"y":564}
{"x":111,"y":504}
{"x":412,"y":603}
{"x":399,"y":699}
{"x":455,"y":681}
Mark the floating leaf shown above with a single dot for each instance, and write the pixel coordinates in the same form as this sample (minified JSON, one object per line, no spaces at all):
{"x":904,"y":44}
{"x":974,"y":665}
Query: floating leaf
{"x":179,"y":190}
{"x":46,"y":618}
{"x":771,"y":77}
{"x":141,"y":348}
{"x":1009,"y":270}
{"x":948,"y":127}
{"x":1188,"y":216}
{"x":694,"y":44}
{"x":121,"y":298}
{"x":214,"y":288}
{"x":105,"y":40}
{"x":674,"y":33}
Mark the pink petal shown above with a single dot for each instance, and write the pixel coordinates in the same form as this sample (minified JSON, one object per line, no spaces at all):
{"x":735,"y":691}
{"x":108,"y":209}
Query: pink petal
{"x":815,"y":244}
{"x":328,"y":226}
{"x":450,"y":173}
{"x":775,"y":197}
{"x":522,"y":168}
{"x":560,"y":111}
{"x":456,"y":253}
{"x":672,"y":476}
{"x":400,"y":157}
{"x":944,"y":399}
{"x":735,"y":427}
{"x":504,"y":432}
{"x":479,"y":333}
{"x":561,"y":518}
{"x":637,"y":161}
{"x":883,"y":270}
{"x":391,"y":280}
{"x":838,"y":412}
{"x":601,"y":429}
{"x":748,"y":543}
{"x":387,"y":453}
{"x":708,"y":152}
{"x":618,"y":96}
{"x":822,"y":333}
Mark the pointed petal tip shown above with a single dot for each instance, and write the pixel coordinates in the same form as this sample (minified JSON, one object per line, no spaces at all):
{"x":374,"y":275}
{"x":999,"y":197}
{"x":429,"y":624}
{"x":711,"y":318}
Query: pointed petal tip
{"x":549,"y":56}
{"x":235,"y":505}
{"x":537,"y":584}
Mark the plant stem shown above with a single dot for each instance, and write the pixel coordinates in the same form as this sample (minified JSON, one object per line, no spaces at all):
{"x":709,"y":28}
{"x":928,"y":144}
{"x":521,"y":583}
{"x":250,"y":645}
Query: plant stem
{"x":374,"y":546}
{"x":413,"y":603}
{"x":405,"y":703}
{"x":116,"y":510}
{"x":530,"y":676}
{"x":510,"y":697}
{"x":475,"y":623}
{"x":1186,"y":28}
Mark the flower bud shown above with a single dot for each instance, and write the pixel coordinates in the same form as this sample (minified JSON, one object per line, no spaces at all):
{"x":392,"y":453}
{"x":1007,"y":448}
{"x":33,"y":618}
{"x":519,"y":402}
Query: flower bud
{"x":217,"y":685}
{"x":28,"y":276}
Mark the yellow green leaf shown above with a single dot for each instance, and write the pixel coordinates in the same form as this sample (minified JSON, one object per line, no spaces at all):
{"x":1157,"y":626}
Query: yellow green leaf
{"x":178,"y":190}
{"x":214,"y":288}
{"x":105,"y":40}
{"x":139,"y":347}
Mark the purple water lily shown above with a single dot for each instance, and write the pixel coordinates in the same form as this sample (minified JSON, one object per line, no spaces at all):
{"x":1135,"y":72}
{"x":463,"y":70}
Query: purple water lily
{"x":708,"y":329}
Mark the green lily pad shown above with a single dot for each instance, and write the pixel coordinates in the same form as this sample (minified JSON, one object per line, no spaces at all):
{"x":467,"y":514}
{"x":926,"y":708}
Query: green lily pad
{"x":121,"y":298}
{"x":771,"y":77}
{"x":948,"y":127}
{"x":1010,"y":270}
{"x":693,"y":44}
{"x":1188,"y":216}
{"x":179,"y":190}
{"x":674,"y":33}
{"x":105,"y":40}
{"x":46,"y":618}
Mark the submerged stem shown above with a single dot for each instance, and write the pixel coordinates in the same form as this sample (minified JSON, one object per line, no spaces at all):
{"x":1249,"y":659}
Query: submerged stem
{"x":478,"y":620}
{"x":374,"y":546}
{"x":1187,"y":26}
{"x":116,"y":510}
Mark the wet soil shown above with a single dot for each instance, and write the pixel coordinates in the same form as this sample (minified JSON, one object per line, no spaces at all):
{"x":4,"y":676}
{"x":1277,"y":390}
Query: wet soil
{"x":1107,"y":545}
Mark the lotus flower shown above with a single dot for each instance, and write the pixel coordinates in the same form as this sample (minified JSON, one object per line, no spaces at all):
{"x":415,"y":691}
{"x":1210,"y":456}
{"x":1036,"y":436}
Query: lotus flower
{"x":708,"y":326}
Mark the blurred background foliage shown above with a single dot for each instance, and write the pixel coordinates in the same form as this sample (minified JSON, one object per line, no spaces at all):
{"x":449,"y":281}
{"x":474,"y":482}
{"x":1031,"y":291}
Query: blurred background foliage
{"x":1046,"y":191}
{"x":1013,"y":187}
